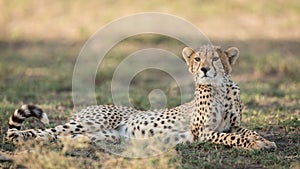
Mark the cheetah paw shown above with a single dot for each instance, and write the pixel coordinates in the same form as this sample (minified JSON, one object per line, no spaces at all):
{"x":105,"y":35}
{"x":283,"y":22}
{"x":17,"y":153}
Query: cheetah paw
{"x":264,"y":145}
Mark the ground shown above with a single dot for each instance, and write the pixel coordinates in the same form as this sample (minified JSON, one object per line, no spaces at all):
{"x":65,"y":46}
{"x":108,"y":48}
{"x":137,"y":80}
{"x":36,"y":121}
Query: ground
{"x":38,"y":69}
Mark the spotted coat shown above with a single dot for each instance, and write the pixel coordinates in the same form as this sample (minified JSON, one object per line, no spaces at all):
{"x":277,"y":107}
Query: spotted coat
{"x":214,"y":115}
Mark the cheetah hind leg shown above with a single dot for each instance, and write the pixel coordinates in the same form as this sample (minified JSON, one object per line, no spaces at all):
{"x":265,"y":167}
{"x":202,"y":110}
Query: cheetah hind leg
{"x":76,"y":131}
{"x":108,"y":140}
{"x":110,"y":136}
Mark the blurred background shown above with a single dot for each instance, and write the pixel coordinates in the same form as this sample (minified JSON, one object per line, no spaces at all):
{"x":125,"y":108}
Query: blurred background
{"x":40,"y":41}
{"x":77,"y":20}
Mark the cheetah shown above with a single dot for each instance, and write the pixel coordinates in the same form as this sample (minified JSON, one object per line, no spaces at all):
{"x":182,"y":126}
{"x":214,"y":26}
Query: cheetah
{"x":214,"y":115}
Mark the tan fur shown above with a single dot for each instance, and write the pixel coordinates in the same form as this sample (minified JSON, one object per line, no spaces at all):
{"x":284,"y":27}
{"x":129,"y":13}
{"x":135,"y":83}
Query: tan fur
{"x":214,"y":115}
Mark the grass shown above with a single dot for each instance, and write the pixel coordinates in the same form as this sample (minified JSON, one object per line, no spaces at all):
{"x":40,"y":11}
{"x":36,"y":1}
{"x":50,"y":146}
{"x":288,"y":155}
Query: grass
{"x":271,"y":100}
{"x":36,"y":67}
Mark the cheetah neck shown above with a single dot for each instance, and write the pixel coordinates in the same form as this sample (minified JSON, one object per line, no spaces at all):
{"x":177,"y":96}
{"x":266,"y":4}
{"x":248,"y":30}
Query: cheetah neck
{"x":208,"y":100}
{"x":210,"y":92}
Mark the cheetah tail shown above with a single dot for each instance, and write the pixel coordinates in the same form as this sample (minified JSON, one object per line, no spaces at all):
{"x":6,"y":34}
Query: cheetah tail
{"x":26,"y":111}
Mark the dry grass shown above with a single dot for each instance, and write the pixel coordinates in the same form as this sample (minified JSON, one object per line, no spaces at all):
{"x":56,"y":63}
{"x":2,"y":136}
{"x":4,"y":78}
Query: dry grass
{"x":68,"y":153}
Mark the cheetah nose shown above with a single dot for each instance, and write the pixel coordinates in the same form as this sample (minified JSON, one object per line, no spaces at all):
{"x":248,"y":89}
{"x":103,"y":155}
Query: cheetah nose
{"x":204,"y":70}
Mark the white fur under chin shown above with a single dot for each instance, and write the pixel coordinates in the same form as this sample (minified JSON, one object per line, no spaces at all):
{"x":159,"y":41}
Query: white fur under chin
{"x":214,"y":81}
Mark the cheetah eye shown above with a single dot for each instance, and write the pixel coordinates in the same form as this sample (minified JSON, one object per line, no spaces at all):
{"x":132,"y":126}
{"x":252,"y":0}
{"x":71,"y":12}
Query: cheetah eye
{"x":215,"y":59}
{"x":197,"y":59}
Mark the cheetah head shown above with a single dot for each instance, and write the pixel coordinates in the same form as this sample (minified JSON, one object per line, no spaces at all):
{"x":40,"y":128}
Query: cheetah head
{"x":210,"y":64}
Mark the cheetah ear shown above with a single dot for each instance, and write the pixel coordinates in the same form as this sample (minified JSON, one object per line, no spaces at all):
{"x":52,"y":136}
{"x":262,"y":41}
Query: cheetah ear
{"x":232,"y":54}
{"x":225,"y":60}
{"x":187,"y":52}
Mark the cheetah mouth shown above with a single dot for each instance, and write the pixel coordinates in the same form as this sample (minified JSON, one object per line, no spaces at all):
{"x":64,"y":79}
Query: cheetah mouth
{"x":205,"y":76}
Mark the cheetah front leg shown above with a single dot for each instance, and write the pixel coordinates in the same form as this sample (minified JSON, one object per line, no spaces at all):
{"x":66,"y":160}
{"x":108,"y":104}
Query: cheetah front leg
{"x":229,"y":139}
{"x":235,"y":140}
{"x":206,"y":132}
{"x":259,"y":143}
{"x":235,"y":123}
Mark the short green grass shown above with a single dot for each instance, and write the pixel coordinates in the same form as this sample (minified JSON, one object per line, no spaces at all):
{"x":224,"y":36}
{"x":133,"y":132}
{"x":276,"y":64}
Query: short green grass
{"x":36,"y":67}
